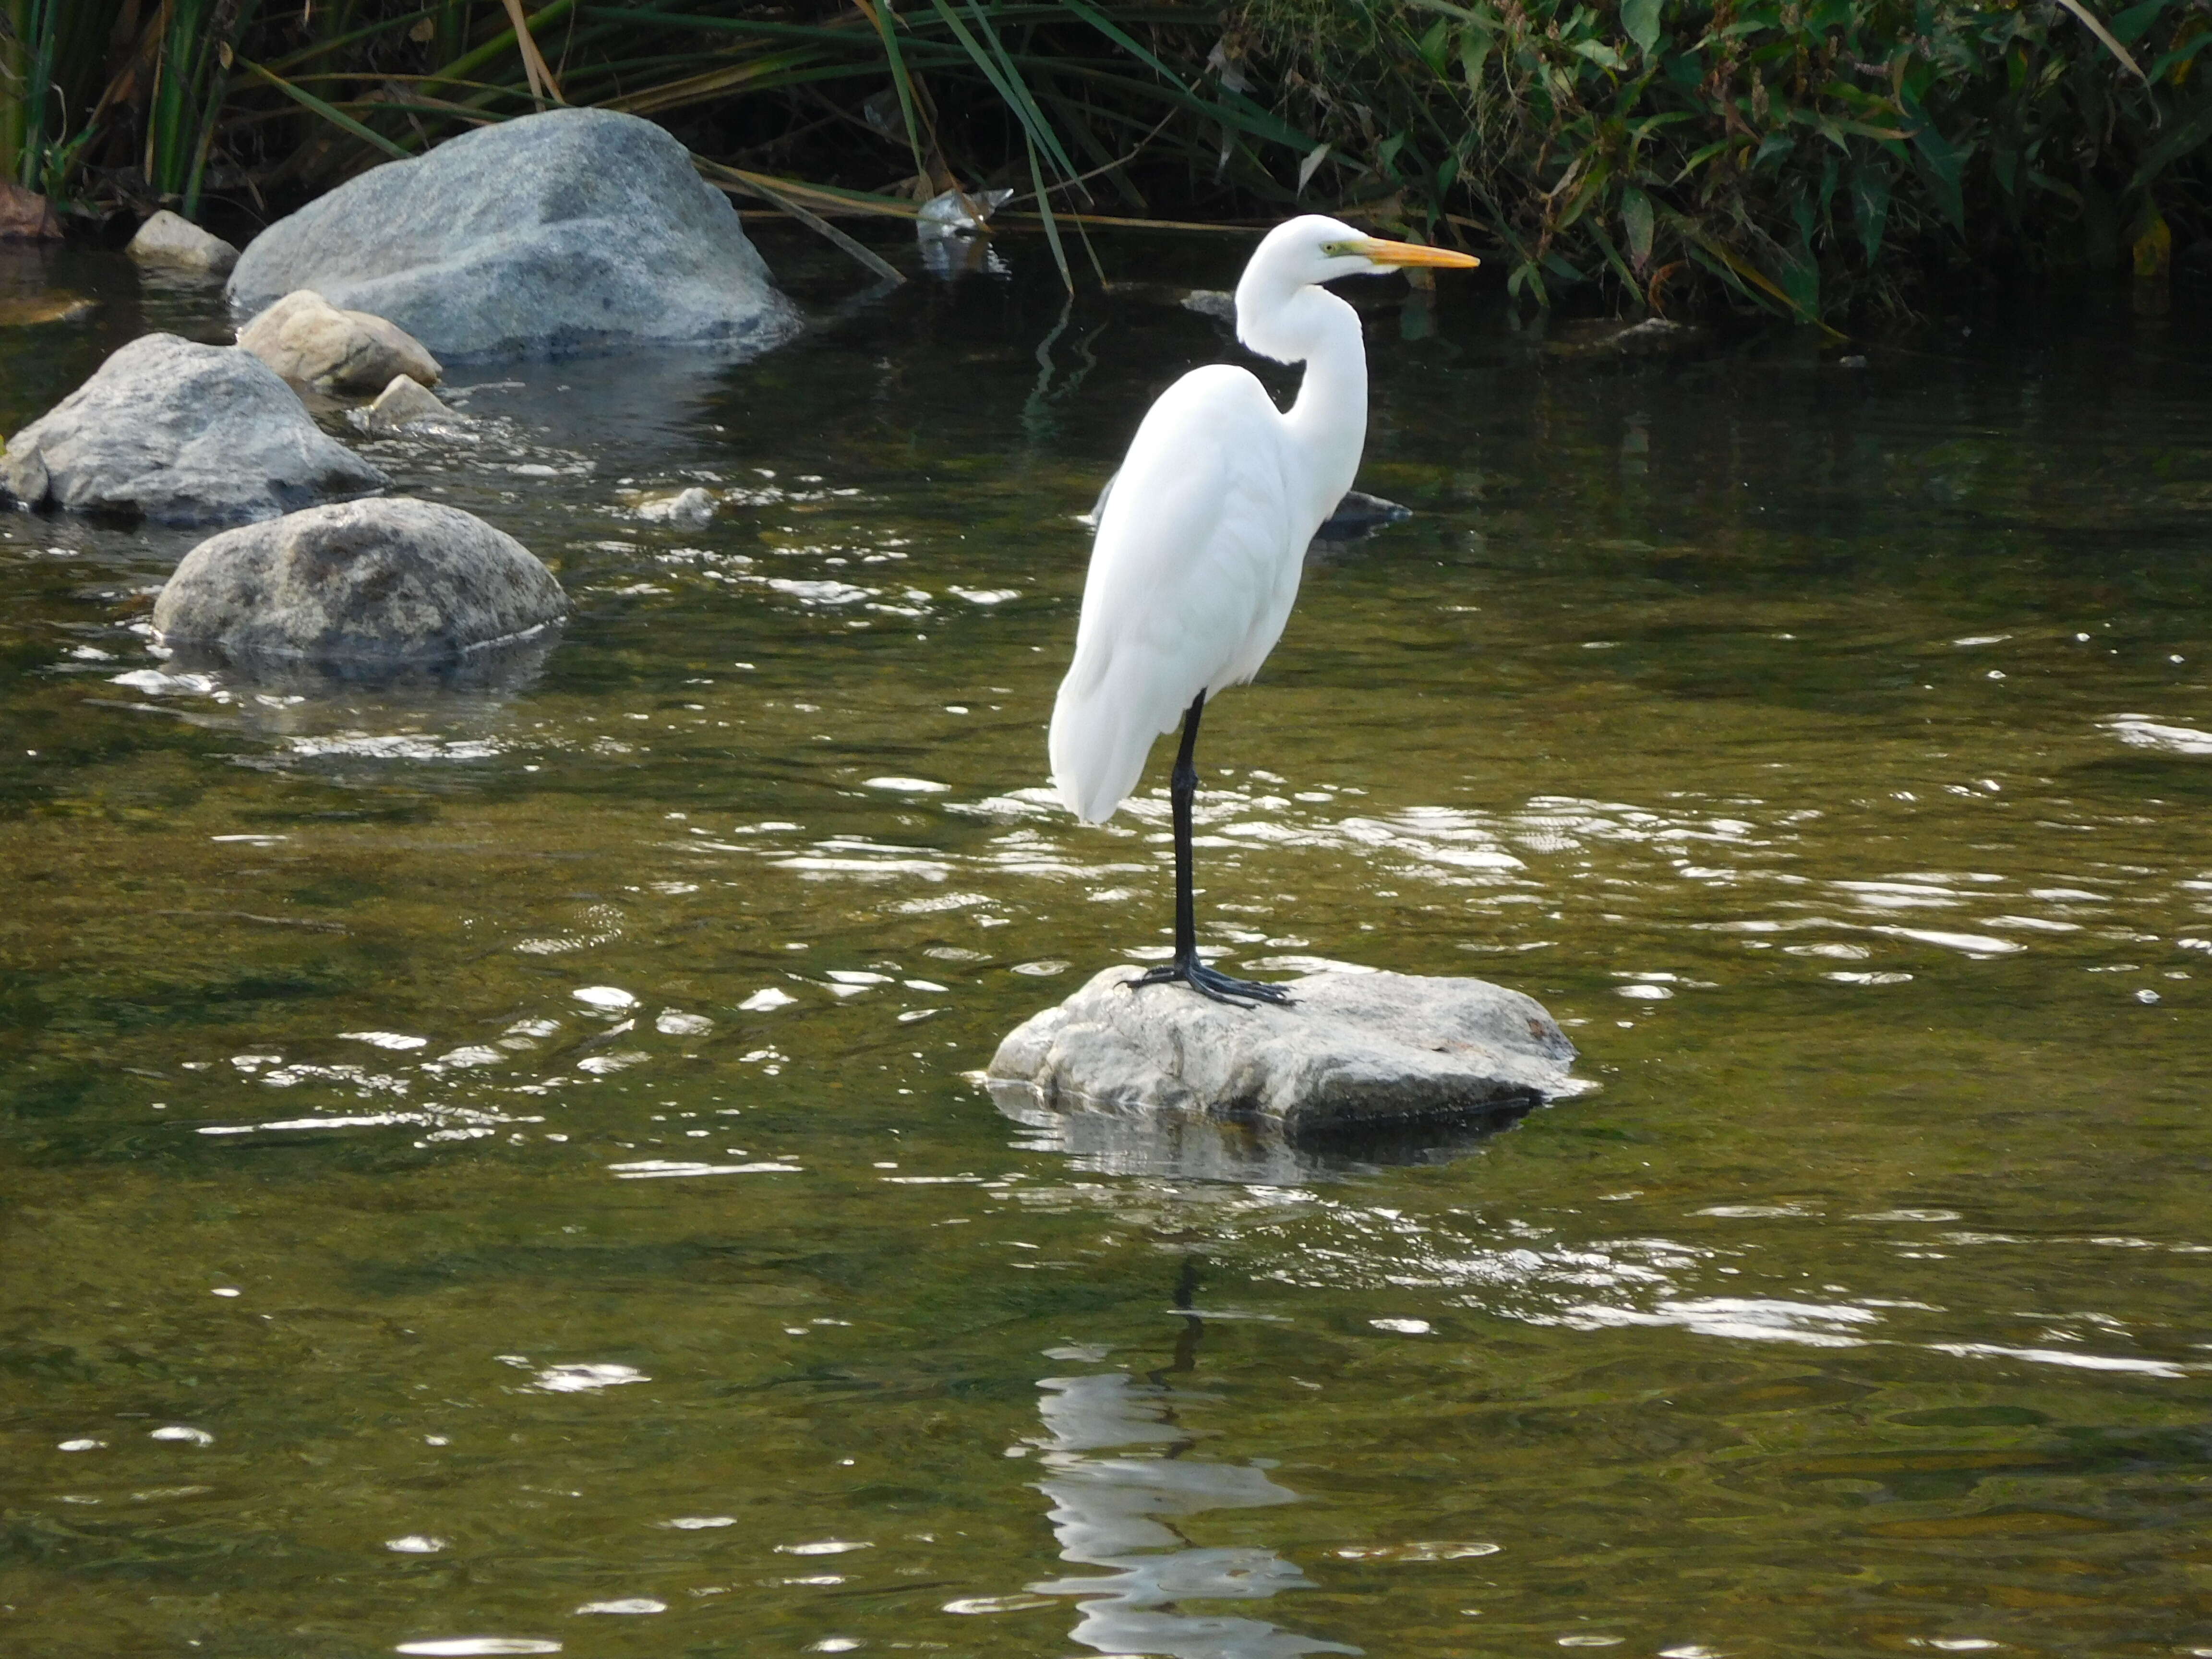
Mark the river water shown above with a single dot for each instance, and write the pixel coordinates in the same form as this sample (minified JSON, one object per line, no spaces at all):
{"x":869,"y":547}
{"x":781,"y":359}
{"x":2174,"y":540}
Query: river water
{"x":495,"y":1167}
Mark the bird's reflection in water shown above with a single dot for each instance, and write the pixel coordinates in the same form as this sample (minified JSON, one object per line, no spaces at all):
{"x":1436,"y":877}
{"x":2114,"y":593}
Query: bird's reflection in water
{"x":1121,"y":1513}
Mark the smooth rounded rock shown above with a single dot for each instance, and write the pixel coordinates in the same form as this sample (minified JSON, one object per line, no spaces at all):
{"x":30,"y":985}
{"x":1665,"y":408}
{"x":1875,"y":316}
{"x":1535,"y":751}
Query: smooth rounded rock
{"x":1351,"y":1050}
{"x":304,"y":337}
{"x":374,"y":582}
{"x":570,"y":230}
{"x":172,"y":240}
{"x":180,"y":433}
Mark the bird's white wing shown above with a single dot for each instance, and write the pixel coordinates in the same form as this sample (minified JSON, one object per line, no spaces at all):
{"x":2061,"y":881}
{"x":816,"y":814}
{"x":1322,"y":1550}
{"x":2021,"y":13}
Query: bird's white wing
{"x":1192,"y":576}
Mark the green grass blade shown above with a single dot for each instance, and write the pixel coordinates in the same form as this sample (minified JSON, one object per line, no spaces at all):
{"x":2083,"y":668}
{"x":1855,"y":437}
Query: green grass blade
{"x":336,"y":117}
{"x":1051,"y":225}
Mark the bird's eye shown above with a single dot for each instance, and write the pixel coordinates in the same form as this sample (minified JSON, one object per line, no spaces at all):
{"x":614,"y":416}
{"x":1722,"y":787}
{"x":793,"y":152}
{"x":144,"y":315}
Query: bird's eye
{"x":1339,"y":250}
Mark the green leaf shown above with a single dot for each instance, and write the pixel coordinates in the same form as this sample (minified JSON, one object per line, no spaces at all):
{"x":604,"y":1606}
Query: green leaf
{"x":1473,"y":47}
{"x":1434,"y":44}
{"x":2129,"y":26}
{"x":1870,"y":206}
{"x":1636,"y":221}
{"x":1942,"y":161}
{"x":1600,"y":54}
{"x":1640,"y":18}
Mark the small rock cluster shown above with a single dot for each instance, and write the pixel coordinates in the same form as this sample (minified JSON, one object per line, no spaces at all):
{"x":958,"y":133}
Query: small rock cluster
{"x":568,"y":230}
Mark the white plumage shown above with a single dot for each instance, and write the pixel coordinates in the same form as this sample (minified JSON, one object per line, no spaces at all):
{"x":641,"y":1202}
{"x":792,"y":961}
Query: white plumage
{"x":1189,"y":586}
{"x":1202,"y":534}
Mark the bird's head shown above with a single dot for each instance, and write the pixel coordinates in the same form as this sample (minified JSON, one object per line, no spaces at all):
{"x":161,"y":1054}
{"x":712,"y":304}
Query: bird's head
{"x":1277,"y":307}
{"x":1314,"y":248}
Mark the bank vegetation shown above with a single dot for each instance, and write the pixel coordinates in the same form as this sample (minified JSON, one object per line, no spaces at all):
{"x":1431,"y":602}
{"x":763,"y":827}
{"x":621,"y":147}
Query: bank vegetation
{"x":1820,"y":158}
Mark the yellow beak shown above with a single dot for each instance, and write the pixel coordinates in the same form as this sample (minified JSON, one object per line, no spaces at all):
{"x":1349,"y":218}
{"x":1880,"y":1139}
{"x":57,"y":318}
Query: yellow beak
{"x":1413,"y":253}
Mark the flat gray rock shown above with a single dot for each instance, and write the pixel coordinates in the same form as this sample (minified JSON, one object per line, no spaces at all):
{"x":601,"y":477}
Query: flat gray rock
{"x":570,"y":231}
{"x":1351,"y":1050}
{"x":181,"y":434}
{"x":362,"y":583}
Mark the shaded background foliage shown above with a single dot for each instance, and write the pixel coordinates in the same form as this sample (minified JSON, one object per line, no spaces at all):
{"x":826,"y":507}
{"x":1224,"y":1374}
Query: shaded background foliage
{"x":1816,"y":158}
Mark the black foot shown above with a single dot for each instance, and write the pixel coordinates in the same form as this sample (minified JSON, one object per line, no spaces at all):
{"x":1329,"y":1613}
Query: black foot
{"x":1207,"y":982}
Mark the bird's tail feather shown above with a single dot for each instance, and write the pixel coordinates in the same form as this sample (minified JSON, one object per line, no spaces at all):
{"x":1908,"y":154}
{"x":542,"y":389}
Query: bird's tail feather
{"x":1102,"y":728}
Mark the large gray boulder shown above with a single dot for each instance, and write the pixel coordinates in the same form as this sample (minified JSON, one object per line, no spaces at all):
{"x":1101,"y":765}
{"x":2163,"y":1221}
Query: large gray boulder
{"x":1351,"y":1050}
{"x":562,"y":232}
{"x":362,"y":583}
{"x":181,"y":434}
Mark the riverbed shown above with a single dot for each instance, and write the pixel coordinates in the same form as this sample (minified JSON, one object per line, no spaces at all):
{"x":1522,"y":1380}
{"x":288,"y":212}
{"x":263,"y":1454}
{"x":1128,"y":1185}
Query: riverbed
{"x":495,"y":1165}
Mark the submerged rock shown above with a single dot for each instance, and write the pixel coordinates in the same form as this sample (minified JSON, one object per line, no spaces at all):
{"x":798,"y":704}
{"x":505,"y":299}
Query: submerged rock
{"x":1360,"y":515}
{"x":182,"y":434}
{"x":36,"y":310}
{"x":304,"y":337}
{"x":693,"y":506}
{"x":1655,"y":336}
{"x":406,"y":401}
{"x":171,"y":239}
{"x":561,"y":232}
{"x":1352,"y":1051}
{"x":374,"y":582}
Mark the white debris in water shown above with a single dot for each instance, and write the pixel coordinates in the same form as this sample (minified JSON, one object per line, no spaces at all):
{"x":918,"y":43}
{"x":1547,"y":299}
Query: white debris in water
{"x":608,"y":1064}
{"x":1974,"y":944}
{"x":671,"y":1023}
{"x":908,"y":786}
{"x":414,"y":1543}
{"x":396,"y":1040}
{"x":471,"y":1055}
{"x":611,"y":998}
{"x":464,"y":1647}
{"x":825,"y":1547}
{"x":627,"y":1604}
{"x":662,"y":1169}
{"x":1403,"y":1326}
{"x":178,"y":1431}
{"x":583,"y":1379}
{"x":160,"y":685}
{"x":2143,"y":732}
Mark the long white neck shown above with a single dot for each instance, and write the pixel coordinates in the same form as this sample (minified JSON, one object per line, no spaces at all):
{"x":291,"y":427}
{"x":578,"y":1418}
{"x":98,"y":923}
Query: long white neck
{"x":1327,"y":423}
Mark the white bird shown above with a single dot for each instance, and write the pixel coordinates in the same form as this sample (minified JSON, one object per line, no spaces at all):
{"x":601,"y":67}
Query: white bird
{"x":1201,"y":536}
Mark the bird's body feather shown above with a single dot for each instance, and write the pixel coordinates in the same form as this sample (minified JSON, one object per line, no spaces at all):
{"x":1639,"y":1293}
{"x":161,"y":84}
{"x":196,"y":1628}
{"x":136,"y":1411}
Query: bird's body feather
{"x":1201,"y":535}
{"x":1193,"y":574}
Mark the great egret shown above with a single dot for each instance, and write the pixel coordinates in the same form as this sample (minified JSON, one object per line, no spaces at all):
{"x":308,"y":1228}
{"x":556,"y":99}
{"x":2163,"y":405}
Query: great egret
{"x":1201,"y":535}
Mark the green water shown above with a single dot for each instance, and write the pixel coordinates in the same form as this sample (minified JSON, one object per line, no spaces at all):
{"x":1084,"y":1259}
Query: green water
{"x":1827,"y":747}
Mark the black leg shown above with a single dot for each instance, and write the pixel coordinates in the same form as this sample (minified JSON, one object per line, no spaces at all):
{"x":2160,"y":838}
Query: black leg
{"x":1185,"y":967}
